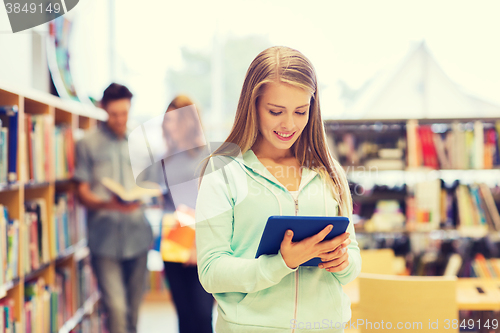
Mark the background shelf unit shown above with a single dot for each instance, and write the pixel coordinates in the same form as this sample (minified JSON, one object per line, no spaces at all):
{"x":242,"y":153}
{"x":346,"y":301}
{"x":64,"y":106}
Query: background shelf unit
{"x":63,"y":277}
{"x":395,"y":173}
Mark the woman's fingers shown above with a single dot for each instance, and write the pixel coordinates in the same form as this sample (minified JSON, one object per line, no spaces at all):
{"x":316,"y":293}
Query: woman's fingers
{"x":337,"y":264}
{"x":331,"y":245}
{"x":337,"y":253}
{"x":287,"y":239}
{"x":320,"y":235}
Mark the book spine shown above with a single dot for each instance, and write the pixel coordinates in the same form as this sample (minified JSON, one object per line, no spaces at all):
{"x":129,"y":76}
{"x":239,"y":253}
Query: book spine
{"x":12,"y":159}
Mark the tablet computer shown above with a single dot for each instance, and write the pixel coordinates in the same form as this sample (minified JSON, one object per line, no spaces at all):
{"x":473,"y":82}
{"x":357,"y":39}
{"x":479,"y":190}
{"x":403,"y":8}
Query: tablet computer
{"x":302,"y":227}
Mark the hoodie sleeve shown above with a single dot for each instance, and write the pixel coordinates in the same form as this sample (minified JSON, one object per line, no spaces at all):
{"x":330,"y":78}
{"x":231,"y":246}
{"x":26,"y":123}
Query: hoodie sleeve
{"x":219,"y":270}
{"x":354,"y":267}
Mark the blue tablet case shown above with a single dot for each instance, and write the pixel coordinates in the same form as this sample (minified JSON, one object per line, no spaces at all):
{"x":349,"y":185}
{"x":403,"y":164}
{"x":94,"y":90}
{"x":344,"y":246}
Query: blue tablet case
{"x":302,"y":227}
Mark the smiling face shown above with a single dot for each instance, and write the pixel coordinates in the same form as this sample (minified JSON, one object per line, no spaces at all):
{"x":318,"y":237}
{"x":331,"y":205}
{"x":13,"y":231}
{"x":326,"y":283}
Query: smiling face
{"x":283,"y":112}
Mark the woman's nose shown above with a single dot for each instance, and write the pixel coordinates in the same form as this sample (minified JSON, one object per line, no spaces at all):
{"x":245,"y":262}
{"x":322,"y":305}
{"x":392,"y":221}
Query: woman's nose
{"x":288,"y":122}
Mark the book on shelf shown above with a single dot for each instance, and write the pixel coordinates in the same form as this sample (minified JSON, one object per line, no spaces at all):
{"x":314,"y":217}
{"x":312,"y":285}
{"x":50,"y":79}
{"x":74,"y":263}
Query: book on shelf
{"x":8,"y":322}
{"x":135,"y":194}
{"x":9,"y":243}
{"x":9,"y":117}
{"x":64,"y":152}
{"x":472,"y":145}
{"x":36,"y":220}
{"x":63,"y":296}
{"x":86,"y":283}
{"x":384,"y":149}
{"x":490,"y":208}
{"x":39,"y":148}
{"x":427,"y":207}
{"x":94,"y":323}
{"x":486,"y":268}
{"x":4,"y":145}
{"x":65,"y":227}
{"x":468,"y":208}
{"x":388,"y":216}
{"x":39,"y":310}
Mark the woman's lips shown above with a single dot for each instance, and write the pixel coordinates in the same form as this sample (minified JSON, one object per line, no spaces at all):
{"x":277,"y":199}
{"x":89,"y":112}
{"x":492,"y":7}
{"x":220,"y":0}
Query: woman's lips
{"x":283,"y":138}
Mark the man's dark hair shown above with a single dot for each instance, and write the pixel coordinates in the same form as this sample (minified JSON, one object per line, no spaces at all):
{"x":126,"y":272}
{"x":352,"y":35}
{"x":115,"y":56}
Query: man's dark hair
{"x":115,"y":92}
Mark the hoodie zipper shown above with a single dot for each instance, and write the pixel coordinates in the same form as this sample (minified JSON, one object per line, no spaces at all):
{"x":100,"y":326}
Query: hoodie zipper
{"x":297,"y":271}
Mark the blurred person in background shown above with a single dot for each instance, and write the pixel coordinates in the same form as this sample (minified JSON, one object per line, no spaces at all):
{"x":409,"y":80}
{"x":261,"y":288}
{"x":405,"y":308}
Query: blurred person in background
{"x":186,"y":148}
{"x":119,"y":235}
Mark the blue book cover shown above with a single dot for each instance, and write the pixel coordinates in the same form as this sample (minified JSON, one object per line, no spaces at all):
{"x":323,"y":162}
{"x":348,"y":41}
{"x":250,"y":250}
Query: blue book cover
{"x":12,"y":114}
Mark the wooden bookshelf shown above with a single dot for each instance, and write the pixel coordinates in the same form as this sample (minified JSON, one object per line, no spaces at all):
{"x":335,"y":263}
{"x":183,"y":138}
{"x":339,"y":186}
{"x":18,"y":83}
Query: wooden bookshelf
{"x":65,"y":259}
{"x":462,"y":156}
{"x":468,"y":156}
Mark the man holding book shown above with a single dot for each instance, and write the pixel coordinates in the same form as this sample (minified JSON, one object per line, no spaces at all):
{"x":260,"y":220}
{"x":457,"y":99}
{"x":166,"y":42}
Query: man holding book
{"x":119,"y":235}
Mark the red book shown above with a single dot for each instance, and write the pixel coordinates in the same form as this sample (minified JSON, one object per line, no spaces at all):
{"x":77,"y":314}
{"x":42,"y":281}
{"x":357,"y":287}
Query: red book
{"x":428,"y":149}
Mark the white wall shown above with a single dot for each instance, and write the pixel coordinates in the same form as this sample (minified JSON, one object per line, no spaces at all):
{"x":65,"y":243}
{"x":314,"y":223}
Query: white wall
{"x":23,"y":61}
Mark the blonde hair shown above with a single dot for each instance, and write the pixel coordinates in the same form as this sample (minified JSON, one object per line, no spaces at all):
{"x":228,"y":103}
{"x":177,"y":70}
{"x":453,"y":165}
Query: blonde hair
{"x":285,"y":65}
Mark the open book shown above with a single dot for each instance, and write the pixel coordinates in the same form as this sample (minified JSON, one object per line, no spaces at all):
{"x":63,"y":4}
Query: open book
{"x":135,"y":194}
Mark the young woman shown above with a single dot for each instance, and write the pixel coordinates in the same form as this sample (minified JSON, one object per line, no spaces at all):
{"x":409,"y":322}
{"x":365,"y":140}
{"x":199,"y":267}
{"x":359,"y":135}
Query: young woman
{"x":284,"y":168}
{"x":183,"y":135}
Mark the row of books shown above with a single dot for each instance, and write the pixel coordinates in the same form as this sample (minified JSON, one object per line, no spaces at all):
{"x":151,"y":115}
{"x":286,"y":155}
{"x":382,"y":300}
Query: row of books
{"x":380,"y":152}
{"x":9,"y":246}
{"x":485,"y":268}
{"x":68,"y":225}
{"x":92,"y":324}
{"x":8,"y":322}
{"x":472,"y":145}
{"x":47,"y":308}
{"x":64,"y":300}
{"x":432,"y":206}
{"x":454,"y":146}
{"x":49,"y":149}
{"x":85,"y":281}
{"x":39,"y":308}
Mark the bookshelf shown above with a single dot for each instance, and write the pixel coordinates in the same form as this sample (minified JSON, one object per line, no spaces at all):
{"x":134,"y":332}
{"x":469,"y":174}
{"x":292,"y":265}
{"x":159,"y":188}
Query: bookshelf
{"x":426,"y":181}
{"x":45,"y":274}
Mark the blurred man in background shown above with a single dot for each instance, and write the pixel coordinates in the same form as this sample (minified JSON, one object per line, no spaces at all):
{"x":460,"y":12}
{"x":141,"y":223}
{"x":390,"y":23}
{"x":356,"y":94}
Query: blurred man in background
{"x":119,"y":234}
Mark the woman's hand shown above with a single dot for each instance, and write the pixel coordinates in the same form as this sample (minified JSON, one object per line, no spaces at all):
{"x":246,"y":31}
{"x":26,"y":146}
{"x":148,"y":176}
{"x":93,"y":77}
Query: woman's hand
{"x":336,"y":260}
{"x":297,"y":253}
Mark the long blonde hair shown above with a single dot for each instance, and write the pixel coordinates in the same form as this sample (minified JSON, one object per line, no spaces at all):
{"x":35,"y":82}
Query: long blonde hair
{"x":285,"y":65}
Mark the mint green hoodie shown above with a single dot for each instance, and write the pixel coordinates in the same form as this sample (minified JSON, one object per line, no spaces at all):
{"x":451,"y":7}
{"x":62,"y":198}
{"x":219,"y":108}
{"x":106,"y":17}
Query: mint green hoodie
{"x":264,"y":294}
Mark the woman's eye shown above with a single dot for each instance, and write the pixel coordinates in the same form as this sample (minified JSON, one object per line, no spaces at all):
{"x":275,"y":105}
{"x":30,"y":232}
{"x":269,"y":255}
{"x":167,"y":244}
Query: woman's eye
{"x":301,"y":113}
{"x":274,"y":113}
